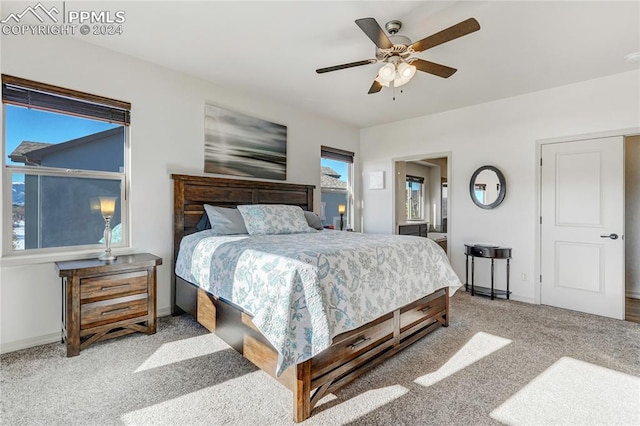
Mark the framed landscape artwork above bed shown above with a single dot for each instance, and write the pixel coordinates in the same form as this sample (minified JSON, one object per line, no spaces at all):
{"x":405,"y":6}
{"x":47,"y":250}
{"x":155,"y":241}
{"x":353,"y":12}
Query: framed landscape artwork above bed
{"x":240,"y":145}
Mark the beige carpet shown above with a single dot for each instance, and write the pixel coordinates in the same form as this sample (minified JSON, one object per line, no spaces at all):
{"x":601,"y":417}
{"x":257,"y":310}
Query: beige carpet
{"x":499,"y":362}
{"x":572,"y":391}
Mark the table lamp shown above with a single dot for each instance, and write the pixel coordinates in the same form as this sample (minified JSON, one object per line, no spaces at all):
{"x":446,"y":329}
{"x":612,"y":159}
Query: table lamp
{"x":107,"y":209}
{"x":341,"y":209}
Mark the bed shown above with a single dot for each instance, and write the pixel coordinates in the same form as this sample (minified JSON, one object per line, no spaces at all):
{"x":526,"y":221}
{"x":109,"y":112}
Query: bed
{"x":329,"y":360}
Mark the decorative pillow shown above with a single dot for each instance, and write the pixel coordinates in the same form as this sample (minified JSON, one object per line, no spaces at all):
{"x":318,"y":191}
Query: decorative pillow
{"x":203,"y":223}
{"x":264,"y":219}
{"x":225,"y":221}
{"x":313,"y":220}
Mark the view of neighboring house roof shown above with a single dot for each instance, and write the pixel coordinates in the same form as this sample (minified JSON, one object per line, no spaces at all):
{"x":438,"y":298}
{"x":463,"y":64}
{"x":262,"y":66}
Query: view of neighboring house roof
{"x":330,"y":179}
{"x":19,"y":154}
{"x":40,"y":150}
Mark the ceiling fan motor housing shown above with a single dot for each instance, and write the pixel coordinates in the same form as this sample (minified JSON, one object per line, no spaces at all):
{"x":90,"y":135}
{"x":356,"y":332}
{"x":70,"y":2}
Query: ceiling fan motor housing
{"x":400,"y":48}
{"x":393,"y":27}
{"x":400,"y":43}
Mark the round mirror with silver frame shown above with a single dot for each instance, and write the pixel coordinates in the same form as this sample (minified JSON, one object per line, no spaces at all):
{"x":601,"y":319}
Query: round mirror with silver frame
{"x":487,"y":187}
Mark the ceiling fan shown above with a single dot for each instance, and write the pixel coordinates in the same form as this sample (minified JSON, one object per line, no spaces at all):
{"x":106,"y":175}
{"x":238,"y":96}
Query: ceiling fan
{"x":395,"y":51}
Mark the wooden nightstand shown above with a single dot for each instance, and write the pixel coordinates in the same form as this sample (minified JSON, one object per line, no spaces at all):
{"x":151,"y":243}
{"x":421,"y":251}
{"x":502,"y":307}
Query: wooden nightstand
{"x":101,"y":300}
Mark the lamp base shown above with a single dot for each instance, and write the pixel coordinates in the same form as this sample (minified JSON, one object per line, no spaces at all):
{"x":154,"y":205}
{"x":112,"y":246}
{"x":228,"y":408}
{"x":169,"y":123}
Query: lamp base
{"x":106,"y":256}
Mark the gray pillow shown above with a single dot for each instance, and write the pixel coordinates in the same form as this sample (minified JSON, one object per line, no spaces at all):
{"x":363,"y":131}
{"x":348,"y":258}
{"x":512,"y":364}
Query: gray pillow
{"x":203,"y":223}
{"x":225,"y":221}
{"x":313,"y":220}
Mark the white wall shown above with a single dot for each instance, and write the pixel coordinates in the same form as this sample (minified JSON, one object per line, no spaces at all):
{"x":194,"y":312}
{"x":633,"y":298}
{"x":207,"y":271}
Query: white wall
{"x":400,"y":182}
{"x":504,"y":134}
{"x":166,"y":137}
{"x":632,"y":216}
{"x":438,"y":172}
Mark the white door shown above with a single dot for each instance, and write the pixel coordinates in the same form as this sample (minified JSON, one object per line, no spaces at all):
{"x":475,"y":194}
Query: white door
{"x":582,"y":243}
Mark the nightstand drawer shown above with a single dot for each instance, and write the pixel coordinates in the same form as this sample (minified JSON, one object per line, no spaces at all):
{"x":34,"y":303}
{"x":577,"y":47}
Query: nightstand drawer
{"x":109,"y":311}
{"x":110,"y":286}
{"x":479,"y":251}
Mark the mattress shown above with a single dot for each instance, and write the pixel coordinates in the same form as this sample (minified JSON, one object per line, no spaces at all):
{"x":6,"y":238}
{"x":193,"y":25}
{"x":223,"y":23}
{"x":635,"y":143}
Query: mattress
{"x":302,"y":290}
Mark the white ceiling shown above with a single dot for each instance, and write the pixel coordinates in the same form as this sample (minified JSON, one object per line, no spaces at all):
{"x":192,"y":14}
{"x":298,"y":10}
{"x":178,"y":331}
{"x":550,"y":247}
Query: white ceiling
{"x":272,"y":49}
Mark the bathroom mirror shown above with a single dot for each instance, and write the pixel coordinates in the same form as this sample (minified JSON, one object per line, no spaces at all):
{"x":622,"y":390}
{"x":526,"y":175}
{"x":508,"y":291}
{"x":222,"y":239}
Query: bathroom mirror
{"x":487,"y":187}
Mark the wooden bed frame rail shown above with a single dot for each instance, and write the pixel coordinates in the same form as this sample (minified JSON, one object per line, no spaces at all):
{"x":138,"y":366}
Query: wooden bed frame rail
{"x":351,"y":354}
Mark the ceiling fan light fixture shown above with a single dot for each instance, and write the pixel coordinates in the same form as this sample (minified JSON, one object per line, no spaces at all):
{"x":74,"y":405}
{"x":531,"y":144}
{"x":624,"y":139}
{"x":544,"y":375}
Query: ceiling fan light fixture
{"x":406,"y":71}
{"x":387,"y":73}
{"x":400,"y":81}
{"x":383,"y":82}
{"x":404,"y":74}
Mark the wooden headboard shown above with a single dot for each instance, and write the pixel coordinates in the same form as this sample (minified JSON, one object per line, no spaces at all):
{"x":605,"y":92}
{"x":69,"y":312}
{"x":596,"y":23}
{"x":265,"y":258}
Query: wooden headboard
{"x":190,"y":193}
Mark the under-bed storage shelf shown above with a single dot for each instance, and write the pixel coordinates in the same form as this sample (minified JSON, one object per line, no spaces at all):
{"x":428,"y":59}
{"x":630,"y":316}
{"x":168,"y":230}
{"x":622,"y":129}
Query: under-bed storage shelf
{"x":351,"y":354}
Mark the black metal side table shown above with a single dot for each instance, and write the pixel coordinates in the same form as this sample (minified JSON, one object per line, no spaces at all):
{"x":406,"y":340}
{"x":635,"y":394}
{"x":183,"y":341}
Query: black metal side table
{"x":488,"y":252}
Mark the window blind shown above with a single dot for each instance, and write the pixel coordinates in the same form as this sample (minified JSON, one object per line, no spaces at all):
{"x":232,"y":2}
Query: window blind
{"x":31,"y":94}
{"x":415,"y":179}
{"x":336,"y":154}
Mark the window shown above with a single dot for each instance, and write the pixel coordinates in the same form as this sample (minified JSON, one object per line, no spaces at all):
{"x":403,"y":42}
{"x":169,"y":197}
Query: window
{"x":63,"y":151}
{"x":336,"y":187}
{"x":481,"y":190}
{"x":414,"y":198}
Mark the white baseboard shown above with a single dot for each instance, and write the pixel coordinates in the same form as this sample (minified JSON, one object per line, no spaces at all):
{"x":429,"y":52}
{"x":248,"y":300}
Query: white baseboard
{"x":523,"y":299}
{"x":51,"y":338}
{"x":29,"y":343}
{"x":164,"y":312}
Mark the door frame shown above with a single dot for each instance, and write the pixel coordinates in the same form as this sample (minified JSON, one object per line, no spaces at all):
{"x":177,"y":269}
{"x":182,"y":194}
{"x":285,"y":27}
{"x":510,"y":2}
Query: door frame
{"x":633,"y":131}
{"x":432,"y":155}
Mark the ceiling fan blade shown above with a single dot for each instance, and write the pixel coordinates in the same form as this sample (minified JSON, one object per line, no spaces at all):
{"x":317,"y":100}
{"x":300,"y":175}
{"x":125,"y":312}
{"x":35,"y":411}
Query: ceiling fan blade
{"x":375,"y":87}
{"x":349,"y":65}
{"x":458,"y":30}
{"x":374,"y":32}
{"x":433,"y":68}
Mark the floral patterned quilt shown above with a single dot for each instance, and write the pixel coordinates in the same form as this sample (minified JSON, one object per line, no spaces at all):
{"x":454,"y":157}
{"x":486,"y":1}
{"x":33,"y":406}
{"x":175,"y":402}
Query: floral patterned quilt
{"x":304,"y":289}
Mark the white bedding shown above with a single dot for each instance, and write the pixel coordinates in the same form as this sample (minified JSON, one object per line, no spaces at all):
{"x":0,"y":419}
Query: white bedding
{"x":304,"y":289}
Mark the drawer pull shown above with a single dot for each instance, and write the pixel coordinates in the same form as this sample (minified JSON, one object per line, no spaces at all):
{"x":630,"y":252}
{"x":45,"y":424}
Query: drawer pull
{"x":114,"y":286}
{"x":425,"y":309}
{"x":113,"y":311}
{"x":359,"y":342}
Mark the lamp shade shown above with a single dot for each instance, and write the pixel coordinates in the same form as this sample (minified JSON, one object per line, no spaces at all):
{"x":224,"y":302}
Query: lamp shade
{"x":107,"y":206}
{"x":405,"y":73}
{"x":387,"y":72}
{"x":381,"y":81}
{"x":342,"y":208}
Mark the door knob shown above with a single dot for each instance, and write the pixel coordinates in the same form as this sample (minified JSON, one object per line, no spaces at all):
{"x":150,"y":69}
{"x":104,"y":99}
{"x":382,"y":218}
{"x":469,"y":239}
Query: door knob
{"x":612,"y":236}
